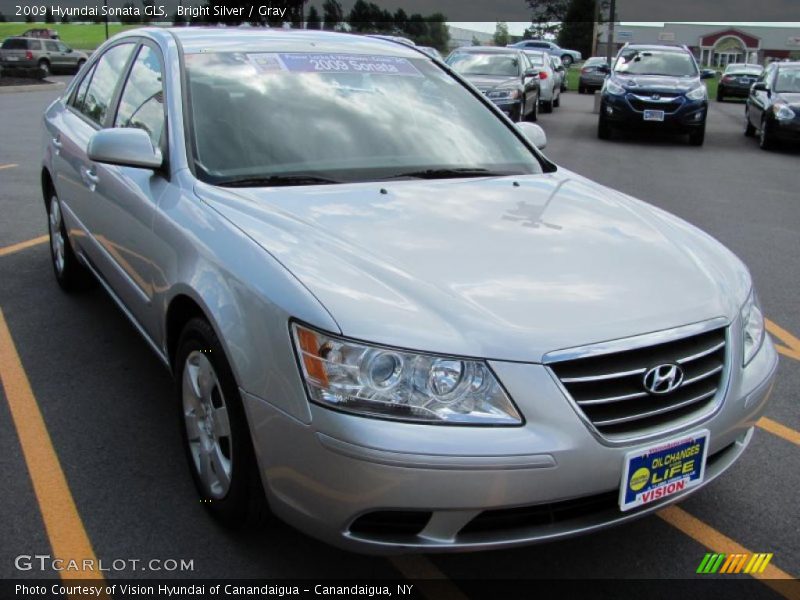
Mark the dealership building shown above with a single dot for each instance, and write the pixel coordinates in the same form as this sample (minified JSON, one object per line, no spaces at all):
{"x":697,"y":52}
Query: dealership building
{"x":713,"y":45}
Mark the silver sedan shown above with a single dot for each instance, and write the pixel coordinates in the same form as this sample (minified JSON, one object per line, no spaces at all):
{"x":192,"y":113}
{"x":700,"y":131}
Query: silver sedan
{"x":392,"y":321}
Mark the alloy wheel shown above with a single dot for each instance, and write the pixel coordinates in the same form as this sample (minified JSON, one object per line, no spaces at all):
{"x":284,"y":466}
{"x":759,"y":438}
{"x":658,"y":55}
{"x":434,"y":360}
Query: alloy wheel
{"x":208,"y":429}
{"x":56,"y":235}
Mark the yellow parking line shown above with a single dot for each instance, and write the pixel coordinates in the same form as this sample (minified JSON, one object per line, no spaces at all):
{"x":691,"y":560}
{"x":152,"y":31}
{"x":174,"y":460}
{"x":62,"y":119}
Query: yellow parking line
{"x":65,"y":529}
{"x":23,"y":245}
{"x":9,"y":166}
{"x":791,"y":345}
{"x":780,"y":581}
{"x":775,"y":428}
{"x":427,"y":576}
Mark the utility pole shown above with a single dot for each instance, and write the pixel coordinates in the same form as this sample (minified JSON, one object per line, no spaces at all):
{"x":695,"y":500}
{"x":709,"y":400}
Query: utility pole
{"x":596,"y":28}
{"x":610,"y":42}
{"x":105,"y":4}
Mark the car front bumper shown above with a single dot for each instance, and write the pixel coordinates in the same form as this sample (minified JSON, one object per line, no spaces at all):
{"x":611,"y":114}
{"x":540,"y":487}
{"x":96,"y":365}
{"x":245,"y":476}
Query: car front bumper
{"x":384,"y":487}
{"x":620,"y":110}
{"x":787,"y":130}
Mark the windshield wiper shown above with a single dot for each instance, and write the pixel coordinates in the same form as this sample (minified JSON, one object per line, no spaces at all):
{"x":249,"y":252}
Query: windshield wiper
{"x":451,"y":173}
{"x":277,"y":180}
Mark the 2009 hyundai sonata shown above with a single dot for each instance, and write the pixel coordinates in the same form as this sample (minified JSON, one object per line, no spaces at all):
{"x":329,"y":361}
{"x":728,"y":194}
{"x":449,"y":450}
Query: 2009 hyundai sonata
{"x":391,"y":320}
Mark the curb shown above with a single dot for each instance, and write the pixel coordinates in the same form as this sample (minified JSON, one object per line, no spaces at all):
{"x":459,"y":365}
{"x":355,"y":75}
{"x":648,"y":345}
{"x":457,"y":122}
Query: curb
{"x":39,"y":87}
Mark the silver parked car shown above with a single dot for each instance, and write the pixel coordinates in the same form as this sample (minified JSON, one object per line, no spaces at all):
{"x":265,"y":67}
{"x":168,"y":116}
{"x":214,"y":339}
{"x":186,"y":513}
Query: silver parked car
{"x":395,"y":324}
{"x":549,"y":79}
{"x":593,"y":74}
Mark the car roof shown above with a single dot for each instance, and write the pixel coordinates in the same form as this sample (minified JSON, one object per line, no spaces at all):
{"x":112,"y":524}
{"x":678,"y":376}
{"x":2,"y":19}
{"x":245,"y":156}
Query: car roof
{"x":261,"y":39}
{"x":788,"y":65}
{"x":656,"y":47}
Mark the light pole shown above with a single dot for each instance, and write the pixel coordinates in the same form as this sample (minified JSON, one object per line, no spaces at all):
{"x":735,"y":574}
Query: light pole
{"x":105,"y":5}
{"x":610,"y":42}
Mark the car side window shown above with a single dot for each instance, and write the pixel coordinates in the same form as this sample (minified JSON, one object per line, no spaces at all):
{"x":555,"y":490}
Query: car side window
{"x":80,"y":93}
{"x":62,"y":47}
{"x":34,"y":45}
{"x":98,"y":96}
{"x":142,"y":102}
{"x":51,"y":46}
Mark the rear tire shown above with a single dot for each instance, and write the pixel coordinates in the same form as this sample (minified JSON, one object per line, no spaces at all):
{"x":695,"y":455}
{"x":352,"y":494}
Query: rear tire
{"x":216,"y":436}
{"x":71,"y":275}
{"x":44,"y":67}
{"x":720,"y":97}
{"x":581,"y":89}
{"x":547,"y":106}
{"x":557,"y":101}
{"x":566,"y":60}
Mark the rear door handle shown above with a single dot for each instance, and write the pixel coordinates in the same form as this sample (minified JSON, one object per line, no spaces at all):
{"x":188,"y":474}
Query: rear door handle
{"x":57,"y":144}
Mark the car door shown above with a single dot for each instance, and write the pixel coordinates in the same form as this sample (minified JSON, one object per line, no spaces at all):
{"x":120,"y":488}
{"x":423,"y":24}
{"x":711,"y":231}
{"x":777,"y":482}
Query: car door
{"x":530,"y":83}
{"x":126,"y":198}
{"x":53,"y":54}
{"x":69,"y":58}
{"x":69,"y":129}
{"x":758,"y":100}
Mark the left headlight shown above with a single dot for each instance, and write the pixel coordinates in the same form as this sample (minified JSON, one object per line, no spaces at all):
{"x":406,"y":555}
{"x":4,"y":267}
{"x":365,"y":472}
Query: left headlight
{"x":752,"y":327}
{"x":783,"y":112}
{"x":697,"y":93}
{"x":504,"y":94}
{"x":397,"y":384}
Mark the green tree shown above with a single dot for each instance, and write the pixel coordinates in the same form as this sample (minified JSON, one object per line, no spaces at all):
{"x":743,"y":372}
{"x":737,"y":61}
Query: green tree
{"x":475,"y":41}
{"x":29,"y":18}
{"x":332,"y":14}
{"x":312,"y":20}
{"x":65,"y":19}
{"x":146,"y":18}
{"x":48,"y":16}
{"x":578,"y":27}
{"x":438,"y":32}
{"x":500,"y":34}
{"x":2,"y":17}
{"x":178,"y":19}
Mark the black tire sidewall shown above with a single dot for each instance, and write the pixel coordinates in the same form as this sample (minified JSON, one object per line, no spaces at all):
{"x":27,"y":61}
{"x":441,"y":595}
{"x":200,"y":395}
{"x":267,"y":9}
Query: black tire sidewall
{"x":234,"y":510}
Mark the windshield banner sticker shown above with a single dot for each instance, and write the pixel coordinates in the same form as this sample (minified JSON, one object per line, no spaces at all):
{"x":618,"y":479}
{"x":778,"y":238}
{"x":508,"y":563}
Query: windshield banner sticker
{"x":332,"y":63}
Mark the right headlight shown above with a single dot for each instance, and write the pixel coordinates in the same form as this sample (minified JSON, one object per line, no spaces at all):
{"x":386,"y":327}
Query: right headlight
{"x":752,"y":327}
{"x":612,"y":87}
{"x":783,"y":112}
{"x":378,"y":381}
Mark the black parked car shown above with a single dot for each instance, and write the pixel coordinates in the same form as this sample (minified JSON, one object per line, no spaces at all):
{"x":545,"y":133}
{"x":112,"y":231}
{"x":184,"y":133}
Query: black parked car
{"x":504,"y":75}
{"x":657,"y":87}
{"x":737,"y":79}
{"x":773,"y":106}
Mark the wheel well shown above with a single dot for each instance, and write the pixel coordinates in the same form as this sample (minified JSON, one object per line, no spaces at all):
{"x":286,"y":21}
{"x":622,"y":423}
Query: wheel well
{"x":48,"y":189}
{"x":181,"y":310}
{"x":44,"y":60}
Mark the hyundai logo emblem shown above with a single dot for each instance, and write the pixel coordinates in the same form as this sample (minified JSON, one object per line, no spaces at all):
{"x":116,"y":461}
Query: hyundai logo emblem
{"x":656,"y":97}
{"x":663,"y":379}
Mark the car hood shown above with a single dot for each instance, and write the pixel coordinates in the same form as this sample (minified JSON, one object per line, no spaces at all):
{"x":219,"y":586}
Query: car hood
{"x":486,"y":82}
{"x":657,"y":84}
{"x":486,"y":267}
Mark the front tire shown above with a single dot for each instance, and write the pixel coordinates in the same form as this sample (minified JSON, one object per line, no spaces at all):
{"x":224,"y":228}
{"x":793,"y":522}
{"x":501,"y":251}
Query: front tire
{"x":749,"y":130}
{"x":44,"y":67}
{"x":547,"y":106}
{"x":696,"y":138}
{"x":603,"y":128}
{"x":566,"y":60}
{"x":70,"y":274}
{"x":557,"y":101}
{"x":720,"y":96}
{"x":215,"y":432}
{"x":765,"y":140}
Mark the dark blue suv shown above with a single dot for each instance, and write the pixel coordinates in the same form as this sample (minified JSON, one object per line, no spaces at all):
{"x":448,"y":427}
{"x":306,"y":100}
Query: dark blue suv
{"x":655,"y":87}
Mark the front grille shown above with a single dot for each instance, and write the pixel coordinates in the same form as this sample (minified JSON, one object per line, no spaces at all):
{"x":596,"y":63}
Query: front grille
{"x":667,"y":104}
{"x":609,"y":389}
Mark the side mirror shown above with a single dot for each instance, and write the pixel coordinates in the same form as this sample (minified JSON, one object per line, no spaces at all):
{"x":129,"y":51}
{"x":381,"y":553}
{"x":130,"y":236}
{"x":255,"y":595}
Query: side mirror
{"x":534,"y":133}
{"x":603,"y":69}
{"x":126,"y":147}
{"x":760,"y":86}
{"x":708,"y":74}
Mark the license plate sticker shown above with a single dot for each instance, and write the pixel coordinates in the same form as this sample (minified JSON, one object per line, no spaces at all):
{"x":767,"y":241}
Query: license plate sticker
{"x":654,"y":115}
{"x":12,"y":58}
{"x":663,"y":470}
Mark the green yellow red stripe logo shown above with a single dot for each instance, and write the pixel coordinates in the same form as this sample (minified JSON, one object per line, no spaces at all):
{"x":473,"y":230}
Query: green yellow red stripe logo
{"x":734,"y":563}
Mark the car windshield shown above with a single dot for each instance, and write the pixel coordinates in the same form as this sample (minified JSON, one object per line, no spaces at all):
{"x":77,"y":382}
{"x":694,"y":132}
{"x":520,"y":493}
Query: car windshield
{"x":475,"y":63}
{"x":788,"y":80}
{"x":536,"y":58}
{"x":595,"y":61}
{"x":743,"y":70}
{"x":296,"y":119}
{"x":656,"y":62}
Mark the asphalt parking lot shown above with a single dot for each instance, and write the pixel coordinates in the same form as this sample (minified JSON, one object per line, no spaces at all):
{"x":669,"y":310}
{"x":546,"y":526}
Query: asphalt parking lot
{"x":107,"y":403}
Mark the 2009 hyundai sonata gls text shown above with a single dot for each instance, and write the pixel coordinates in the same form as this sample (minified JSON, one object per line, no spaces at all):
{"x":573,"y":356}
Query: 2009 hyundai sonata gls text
{"x":390,"y":319}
